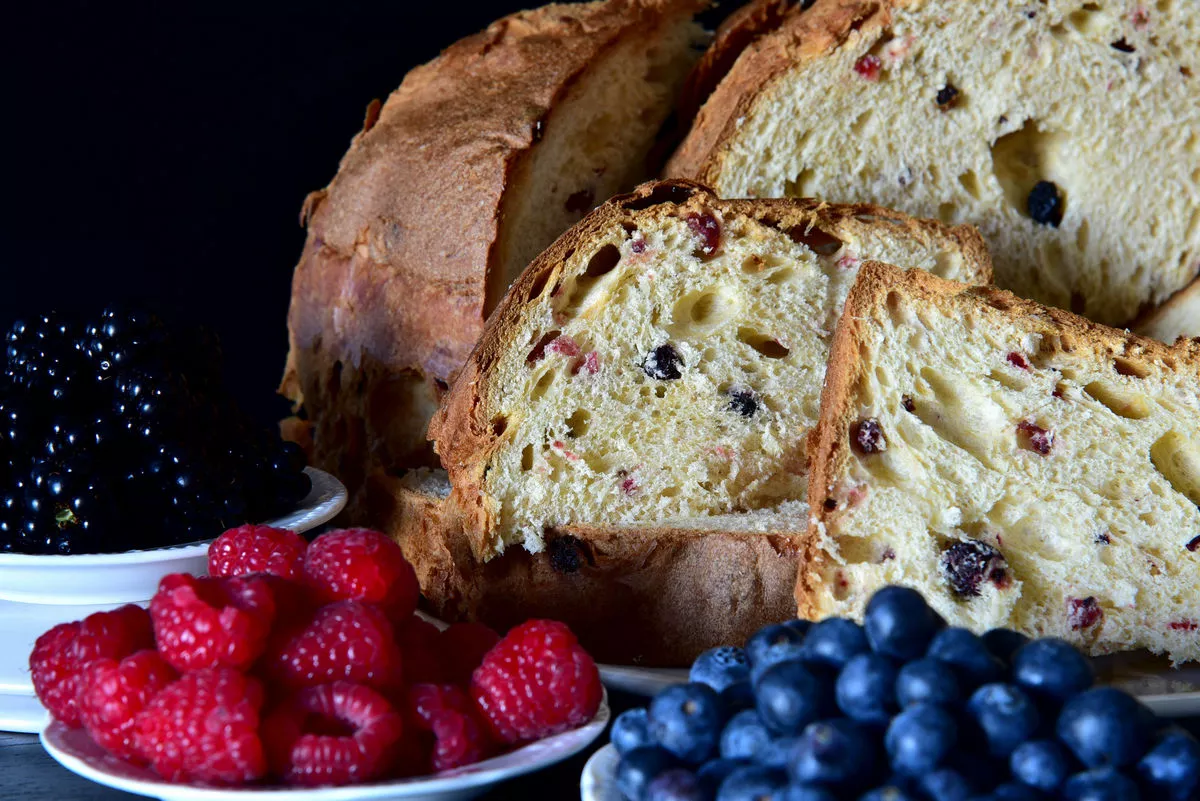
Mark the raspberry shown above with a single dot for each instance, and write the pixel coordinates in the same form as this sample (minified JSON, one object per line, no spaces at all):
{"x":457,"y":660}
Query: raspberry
{"x":537,"y":681}
{"x":212,"y":622}
{"x":462,"y":647}
{"x":112,"y":693}
{"x":357,"y":564}
{"x":257,"y":549}
{"x":61,"y":653}
{"x":335,"y":734}
{"x":204,"y":727}
{"x":448,"y":714}
{"x":418,"y":641}
{"x":348,"y":641}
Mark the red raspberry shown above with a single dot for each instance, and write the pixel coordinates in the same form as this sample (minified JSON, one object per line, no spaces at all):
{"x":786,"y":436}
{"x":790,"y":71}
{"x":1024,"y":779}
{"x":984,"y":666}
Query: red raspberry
{"x":462,"y":647}
{"x":61,"y":653}
{"x":335,"y":734}
{"x":212,"y":622}
{"x":357,"y":564}
{"x":112,"y":693}
{"x":204,"y":728}
{"x":418,"y":641}
{"x":257,"y":549}
{"x":449,"y":715}
{"x":536,"y":682}
{"x":347,"y":641}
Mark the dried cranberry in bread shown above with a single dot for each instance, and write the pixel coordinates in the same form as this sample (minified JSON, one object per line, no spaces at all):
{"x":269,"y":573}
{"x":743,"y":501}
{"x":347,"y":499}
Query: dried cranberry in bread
{"x":1013,"y":115}
{"x":474,"y":164}
{"x":1017,"y":464}
{"x":1178,"y":317}
{"x":647,"y":384}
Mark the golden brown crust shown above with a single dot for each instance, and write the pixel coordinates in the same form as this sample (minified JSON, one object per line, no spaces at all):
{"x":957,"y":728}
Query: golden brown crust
{"x":829,"y":442}
{"x":389,"y":294}
{"x":801,"y":35}
{"x":655,"y":597}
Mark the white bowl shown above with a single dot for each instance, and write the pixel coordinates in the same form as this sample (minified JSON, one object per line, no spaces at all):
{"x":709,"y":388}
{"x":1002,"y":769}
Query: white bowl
{"x":39,"y":592}
{"x":76,"y":752}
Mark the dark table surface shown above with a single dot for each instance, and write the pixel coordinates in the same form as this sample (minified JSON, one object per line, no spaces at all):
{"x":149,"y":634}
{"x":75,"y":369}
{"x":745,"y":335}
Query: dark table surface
{"x":27,"y":773}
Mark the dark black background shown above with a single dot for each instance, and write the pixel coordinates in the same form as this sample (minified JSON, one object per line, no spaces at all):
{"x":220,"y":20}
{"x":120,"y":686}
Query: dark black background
{"x":162,"y":153}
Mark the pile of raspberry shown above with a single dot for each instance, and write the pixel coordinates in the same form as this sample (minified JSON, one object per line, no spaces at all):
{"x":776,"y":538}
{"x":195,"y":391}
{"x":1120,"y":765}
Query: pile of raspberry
{"x":305,"y":664}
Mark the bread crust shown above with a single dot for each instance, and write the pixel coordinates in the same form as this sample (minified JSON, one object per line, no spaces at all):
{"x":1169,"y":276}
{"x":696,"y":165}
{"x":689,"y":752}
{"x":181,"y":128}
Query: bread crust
{"x":462,"y":427}
{"x":647,"y":596}
{"x":1155,"y":322}
{"x":391,"y":289}
{"x":829,"y":442}
{"x":796,"y":36}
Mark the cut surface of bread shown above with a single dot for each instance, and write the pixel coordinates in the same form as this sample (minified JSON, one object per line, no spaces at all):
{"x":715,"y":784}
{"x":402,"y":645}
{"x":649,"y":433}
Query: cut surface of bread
{"x":473,"y":165}
{"x":1178,"y":317}
{"x":1017,"y":464}
{"x":662,"y":362}
{"x":1067,"y":131}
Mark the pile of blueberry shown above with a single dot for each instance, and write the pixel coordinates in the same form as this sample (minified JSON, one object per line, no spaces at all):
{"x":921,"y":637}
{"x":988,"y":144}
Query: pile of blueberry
{"x":118,"y":433}
{"x":900,"y":708}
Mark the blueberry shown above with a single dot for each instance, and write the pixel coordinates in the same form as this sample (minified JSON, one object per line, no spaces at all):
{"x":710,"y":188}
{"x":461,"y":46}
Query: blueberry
{"x":834,"y":642}
{"x":1172,"y":767}
{"x":777,"y":753}
{"x":772,"y":645}
{"x":714,"y":771}
{"x":919,"y":738}
{"x":1101,"y":784}
{"x":744,"y":736}
{"x":1043,"y":764}
{"x":720,"y":667}
{"x":676,"y":784}
{"x":836,"y":753}
{"x":899,"y":623}
{"x":736,"y":697}
{"x":1005,"y":716}
{"x":799,"y":625}
{"x":790,"y":697}
{"x":945,"y":784}
{"x":753,"y":783}
{"x":686,"y":720}
{"x":638,"y":768}
{"x":1015,"y":791}
{"x":1105,"y":726}
{"x":967,"y":656}
{"x":1003,"y":643}
{"x":807,"y":792}
{"x":1051,"y":668}
{"x":630,"y":730}
{"x":888,"y":792}
{"x":866,"y":688}
{"x":1044,"y":203}
{"x":927,"y":681}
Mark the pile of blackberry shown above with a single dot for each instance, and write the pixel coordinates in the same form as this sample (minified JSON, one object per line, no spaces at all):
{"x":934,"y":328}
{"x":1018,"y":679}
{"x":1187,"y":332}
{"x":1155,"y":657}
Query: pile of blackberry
{"x":901,"y":708}
{"x":118,"y":434}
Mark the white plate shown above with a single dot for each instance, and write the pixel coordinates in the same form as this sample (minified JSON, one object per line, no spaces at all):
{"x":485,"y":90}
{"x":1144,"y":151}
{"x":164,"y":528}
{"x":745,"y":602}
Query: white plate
{"x":115,"y":578}
{"x":599,"y":779}
{"x":76,"y":752}
{"x":1170,"y":692}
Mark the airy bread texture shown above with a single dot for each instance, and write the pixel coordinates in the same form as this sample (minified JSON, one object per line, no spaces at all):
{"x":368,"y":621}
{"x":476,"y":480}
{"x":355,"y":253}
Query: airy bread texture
{"x":1178,"y":317}
{"x":662,"y":361}
{"x":1018,"y":465}
{"x":958,"y":110}
{"x":473,"y":165}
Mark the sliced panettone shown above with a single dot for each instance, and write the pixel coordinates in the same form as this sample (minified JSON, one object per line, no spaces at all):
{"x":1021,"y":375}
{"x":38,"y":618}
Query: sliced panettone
{"x":1068,"y":132}
{"x":1019,"y":465}
{"x":660,"y":365}
{"x":473,"y":165}
{"x":1178,"y":317}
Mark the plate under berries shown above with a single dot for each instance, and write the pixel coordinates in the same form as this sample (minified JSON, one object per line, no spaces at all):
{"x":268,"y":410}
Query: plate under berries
{"x":75,"y":751}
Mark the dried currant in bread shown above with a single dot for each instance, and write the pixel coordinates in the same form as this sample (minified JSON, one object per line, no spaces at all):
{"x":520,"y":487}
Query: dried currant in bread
{"x":1045,"y":204}
{"x":947,"y":96}
{"x":1032,"y":437}
{"x":663,"y":363}
{"x":966,"y":565}
{"x":867,"y":436}
{"x":706,"y":227}
{"x":743,"y":402}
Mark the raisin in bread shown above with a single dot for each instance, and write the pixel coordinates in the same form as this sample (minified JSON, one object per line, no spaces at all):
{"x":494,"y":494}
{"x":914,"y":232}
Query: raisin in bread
{"x":1017,"y":464}
{"x":657,"y":369}
{"x":1068,"y":132}
{"x":1178,"y":317}
{"x":473,"y":165}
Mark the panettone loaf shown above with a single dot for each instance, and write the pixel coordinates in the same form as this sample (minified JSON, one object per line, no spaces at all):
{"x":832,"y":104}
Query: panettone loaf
{"x":1017,"y":464}
{"x":473,"y":165}
{"x":1067,"y":131}
{"x":1178,"y":317}
{"x":656,"y":371}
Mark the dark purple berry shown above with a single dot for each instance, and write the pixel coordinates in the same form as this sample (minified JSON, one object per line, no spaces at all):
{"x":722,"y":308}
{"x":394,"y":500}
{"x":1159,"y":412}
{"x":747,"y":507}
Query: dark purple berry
{"x":663,"y":363}
{"x":867,"y":436}
{"x":966,"y":565}
{"x":1045,"y":204}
